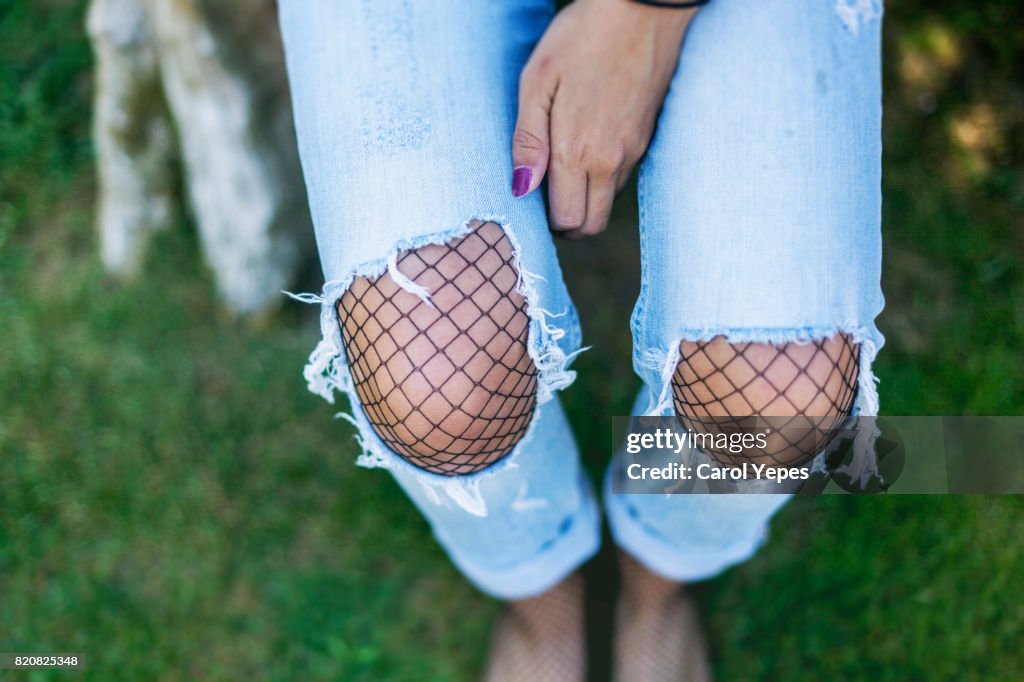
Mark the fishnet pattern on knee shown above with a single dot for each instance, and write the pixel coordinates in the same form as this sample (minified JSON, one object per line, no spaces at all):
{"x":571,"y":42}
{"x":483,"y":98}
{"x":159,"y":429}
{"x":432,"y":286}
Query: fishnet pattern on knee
{"x":803,"y":392}
{"x":449,"y":387}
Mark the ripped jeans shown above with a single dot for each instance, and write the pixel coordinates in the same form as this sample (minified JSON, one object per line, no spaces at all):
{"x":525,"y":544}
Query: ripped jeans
{"x":760,"y":228}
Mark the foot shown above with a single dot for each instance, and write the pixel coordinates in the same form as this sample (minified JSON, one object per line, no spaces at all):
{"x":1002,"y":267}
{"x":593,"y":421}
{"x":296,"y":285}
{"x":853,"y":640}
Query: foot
{"x":541,"y":639}
{"x":658,"y":635}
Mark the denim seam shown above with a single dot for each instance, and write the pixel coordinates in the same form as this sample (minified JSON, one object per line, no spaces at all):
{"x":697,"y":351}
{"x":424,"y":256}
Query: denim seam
{"x":637,"y":325}
{"x":638,"y":319}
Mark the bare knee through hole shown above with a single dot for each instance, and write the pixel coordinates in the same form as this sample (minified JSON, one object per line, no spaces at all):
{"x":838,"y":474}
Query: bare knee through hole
{"x":811,"y":385}
{"x":449,"y":387}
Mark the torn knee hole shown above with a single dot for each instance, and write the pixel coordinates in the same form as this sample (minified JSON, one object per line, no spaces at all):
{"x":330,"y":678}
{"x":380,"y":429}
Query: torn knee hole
{"x":804,"y":392}
{"x":448,"y":386}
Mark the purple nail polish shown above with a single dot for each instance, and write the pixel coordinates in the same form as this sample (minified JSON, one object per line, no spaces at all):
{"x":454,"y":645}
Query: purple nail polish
{"x":521,"y":176}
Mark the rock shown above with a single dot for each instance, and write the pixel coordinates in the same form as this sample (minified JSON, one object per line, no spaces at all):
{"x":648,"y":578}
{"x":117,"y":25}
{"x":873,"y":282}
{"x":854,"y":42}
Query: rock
{"x":201,"y":83}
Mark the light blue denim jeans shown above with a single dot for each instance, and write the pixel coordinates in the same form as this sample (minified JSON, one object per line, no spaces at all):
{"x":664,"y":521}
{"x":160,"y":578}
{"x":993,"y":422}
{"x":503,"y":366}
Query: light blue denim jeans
{"x":759,"y":220}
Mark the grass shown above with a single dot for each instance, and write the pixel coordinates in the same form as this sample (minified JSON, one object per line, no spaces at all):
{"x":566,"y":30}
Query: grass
{"x":175,"y":506}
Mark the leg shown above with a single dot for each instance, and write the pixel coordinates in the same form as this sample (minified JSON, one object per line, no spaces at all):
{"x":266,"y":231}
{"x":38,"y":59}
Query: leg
{"x":658,"y":631}
{"x":761,"y":250}
{"x":759,"y":209}
{"x":445,"y":319}
{"x":450,"y":387}
{"x":540,"y":638}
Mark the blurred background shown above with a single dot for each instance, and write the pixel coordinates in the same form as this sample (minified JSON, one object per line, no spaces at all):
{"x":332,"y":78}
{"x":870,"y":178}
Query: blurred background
{"x":174,"y":505}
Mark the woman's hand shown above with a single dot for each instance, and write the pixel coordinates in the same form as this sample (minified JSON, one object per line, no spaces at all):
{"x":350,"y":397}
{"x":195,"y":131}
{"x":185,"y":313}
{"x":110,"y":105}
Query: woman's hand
{"x":588,"y":100}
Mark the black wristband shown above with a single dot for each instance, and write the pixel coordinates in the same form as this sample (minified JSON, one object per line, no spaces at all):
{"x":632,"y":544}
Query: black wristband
{"x":683,"y":4}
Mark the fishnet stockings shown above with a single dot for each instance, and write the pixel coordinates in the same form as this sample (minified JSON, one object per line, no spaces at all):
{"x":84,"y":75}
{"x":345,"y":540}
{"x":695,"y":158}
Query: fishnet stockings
{"x":541,"y":639}
{"x":658,"y":633}
{"x":802,"y":391}
{"x":449,"y":387}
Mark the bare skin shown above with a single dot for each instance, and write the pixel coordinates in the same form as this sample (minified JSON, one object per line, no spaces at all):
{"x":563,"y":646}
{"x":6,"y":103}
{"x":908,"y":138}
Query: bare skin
{"x":587,"y":108}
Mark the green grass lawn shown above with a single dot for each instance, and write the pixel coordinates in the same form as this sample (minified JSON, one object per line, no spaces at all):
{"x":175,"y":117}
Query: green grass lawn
{"x":174,"y":505}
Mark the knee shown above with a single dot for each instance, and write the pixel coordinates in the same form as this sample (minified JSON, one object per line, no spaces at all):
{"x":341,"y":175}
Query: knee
{"x":449,"y":386}
{"x":805,"y":389}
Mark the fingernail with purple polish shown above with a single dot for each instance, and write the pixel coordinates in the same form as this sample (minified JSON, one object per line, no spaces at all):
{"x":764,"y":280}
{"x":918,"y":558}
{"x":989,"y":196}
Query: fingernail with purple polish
{"x":521,"y":176}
